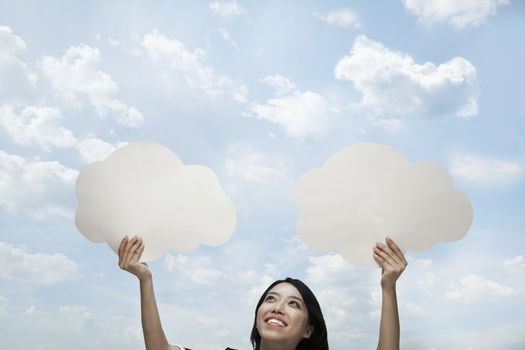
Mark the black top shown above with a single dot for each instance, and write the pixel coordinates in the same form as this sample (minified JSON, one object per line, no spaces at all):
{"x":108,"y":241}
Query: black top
{"x":225,"y":349}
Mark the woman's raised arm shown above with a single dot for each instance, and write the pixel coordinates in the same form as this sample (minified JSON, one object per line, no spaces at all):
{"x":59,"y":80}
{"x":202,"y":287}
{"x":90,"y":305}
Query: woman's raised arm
{"x":392,"y":262}
{"x":129,"y":253}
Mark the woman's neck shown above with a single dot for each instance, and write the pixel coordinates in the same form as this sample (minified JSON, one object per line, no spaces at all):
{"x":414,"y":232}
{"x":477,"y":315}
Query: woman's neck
{"x":269,"y":345}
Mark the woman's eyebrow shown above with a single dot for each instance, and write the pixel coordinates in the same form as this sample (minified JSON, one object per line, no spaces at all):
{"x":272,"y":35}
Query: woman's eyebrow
{"x":296,"y":298}
{"x":291,"y":297}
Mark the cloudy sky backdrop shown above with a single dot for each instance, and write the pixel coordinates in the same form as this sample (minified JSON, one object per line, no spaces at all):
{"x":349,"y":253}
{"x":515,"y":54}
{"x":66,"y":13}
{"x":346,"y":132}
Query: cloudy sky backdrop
{"x":260,"y":92}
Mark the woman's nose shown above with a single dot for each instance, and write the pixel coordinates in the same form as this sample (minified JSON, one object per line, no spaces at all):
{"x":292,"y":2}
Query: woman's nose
{"x":278,"y":307}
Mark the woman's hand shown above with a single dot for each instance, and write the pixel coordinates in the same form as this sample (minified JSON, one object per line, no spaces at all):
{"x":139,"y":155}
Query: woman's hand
{"x":129,"y":252}
{"x":391,"y":260}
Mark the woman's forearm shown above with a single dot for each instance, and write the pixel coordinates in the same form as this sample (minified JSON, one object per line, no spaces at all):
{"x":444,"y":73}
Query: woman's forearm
{"x":154,"y":336}
{"x":389,"y":326}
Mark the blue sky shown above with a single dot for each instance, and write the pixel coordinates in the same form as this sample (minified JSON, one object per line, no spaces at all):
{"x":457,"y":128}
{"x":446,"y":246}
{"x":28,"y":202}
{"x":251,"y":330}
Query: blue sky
{"x":260,"y":92}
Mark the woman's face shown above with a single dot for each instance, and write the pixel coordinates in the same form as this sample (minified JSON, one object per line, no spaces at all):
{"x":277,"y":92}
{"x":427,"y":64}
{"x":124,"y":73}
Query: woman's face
{"x":282,"y":317}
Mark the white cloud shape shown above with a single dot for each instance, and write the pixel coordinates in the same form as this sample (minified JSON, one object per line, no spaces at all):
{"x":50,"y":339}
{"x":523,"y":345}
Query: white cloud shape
{"x":340,"y":18}
{"x":301,"y":114}
{"x":76,"y":75}
{"x":460,"y":13}
{"x":36,"y":188}
{"x":393,"y":85}
{"x":226,"y":9}
{"x":367,"y":191}
{"x":144,"y":189}
{"x":43,"y":269}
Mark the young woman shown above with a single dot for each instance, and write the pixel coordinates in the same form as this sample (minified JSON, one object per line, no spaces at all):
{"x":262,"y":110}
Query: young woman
{"x":287,"y":316}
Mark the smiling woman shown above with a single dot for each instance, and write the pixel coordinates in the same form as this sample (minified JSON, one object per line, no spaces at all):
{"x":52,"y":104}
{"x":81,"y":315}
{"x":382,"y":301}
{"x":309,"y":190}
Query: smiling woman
{"x":287,"y":316}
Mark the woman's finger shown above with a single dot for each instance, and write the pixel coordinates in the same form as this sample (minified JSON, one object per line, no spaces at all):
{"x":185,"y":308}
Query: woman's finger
{"x":132,"y":252}
{"x":395,"y":248}
{"x":125,"y":258}
{"x":122,"y":245}
{"x":137,"y":251}
{"x":385,"y":259}
{"x":378,"y":259}
{"x":122,"y":249}
{"x":390,"y":255}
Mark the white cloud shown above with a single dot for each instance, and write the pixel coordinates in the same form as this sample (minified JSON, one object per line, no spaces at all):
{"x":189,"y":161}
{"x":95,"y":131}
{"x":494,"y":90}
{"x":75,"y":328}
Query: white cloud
{"x":39,"y":268}
{"x":36,"y":188}
{"x":240,"y":94}
{"x":81,"y":317}
{"x":393,"y":85}
{"x":481,"y":170}
{"x":282,"y":85}
{"x":3,"y":306}
{"x":30,"y":310}
{"x":427,"y":281}
{"x":300,"y":114}
{"x":226,"y":35}
{"x":327,"y":268}
{"x":16,"y":80}
{"x":340,"y":18}
{"x":460,"y":13}
{"x":415,"y":310}
{"x":197,"y":270}
{"x":473,"y":288}
{"x":515,"y":265}
{"x":94,"y":149}
{"x":77,"y":316}
{"x":252,"y":168}
{"x":36,"y":125}
{"x":255,"y":292}
{"x":75,"y":75}
{"x":388,"y":123}
{"x":226,"y":9}
{"x":422,"y":264}
{"x":160,"y":47}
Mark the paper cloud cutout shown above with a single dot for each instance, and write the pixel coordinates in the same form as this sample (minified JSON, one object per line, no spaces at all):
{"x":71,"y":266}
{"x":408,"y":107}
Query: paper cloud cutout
{"x":144,"y":189}
{"x":367,"y":191}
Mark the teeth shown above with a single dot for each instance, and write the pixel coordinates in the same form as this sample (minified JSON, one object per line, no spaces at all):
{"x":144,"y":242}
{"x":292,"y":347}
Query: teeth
{"x":275,"y":322}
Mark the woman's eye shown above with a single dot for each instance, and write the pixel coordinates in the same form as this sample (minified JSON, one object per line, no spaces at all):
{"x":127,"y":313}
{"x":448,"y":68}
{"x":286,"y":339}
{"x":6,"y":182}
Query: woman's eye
{"x":294,"y":303}
{"x":269,"y":298}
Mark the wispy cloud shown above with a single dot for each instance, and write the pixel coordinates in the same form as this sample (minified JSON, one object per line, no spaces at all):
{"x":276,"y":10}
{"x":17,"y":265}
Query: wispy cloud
{"x":36,"y":125}
{"x":39,"y":268}
{"x":17,"y":80}
{"x":459,"y":13}
{"x":483,"y":170}
{"x":300,"y":114}
{"x":252,"y":167}
{"x":281,"y":84}
{"x":473,"y":287}
{"x":36,"y":188}
{"x":393,"y":85}
{"x":226,"y":9}
{"x":341,"y":18}
{"x":160,"y":47}
{"x":75,"y":76}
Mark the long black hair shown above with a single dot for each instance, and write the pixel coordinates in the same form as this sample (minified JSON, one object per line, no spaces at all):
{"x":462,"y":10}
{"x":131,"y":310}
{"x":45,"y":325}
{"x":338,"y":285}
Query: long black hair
{"x":319,"y":338}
